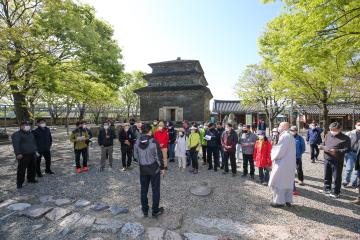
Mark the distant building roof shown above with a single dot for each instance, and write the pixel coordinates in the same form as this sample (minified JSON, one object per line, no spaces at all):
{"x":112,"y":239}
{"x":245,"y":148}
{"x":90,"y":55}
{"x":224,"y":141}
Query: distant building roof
{"x":343,"y":109}
{"x":233,"y":106}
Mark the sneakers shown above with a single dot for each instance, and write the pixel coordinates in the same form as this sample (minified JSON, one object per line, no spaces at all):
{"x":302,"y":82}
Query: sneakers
{"x":252,"y":177}
{"x":345,"y":184}
{"x":296,"y":193}
{"x":334,"y":195}
{"x":85,"y":169}
{"x":18,"y":186}
{"x":244,"y":175}
{"x":123,"y":169}
{"x":264,"y":183}
{"x":313,"y":161}
{"x":234,"y":174}
{"x":301,"y":183}
{"x":196,"y":171}
{"x":288,"y":204}
{"x":49,"y":172}
{"x":158,"y":213}
{"x":325,"y":191}
{"x":39,"y":175}
{"x":78,"y":170}
{"x":275,"y":205}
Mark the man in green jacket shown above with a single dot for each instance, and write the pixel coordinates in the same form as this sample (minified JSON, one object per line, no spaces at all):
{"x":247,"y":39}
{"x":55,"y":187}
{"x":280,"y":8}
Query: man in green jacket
{"x":80,"y":138}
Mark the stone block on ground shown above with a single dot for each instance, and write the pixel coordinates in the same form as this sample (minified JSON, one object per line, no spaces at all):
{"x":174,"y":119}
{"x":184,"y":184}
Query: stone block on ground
{"x":36,"y":211}
{"x":18,"y":206}
{"x":36,"y":227}
{"x":154,"y":233}
{"x":118,"y":210}
{"x":62,"y":202}
{"x":107,"y":225}
{"x":171,"y":221}
{"x":57,"y":213}
{"x":225,"y":225}
{"x":132,"y":231}
{"x":7,"y":203}
{"x":46,"y":199}
{"x":99,"y":207}
{"x":81,"y":203}
{"x":199,"y":236}
{"x":170,"y":235}
{"x":85,"y":221}
{"x":70,"y":220}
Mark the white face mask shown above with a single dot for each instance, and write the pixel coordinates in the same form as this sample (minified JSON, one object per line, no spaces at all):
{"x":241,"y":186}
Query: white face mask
{"x":181,"y":134}
{"x":84,"y":126}
{"x":106,"y":126}
{"x":334,"y":133}
{"x":27,"y":128}
{"x":227,"y":129}
{"x":275,"y":133}
{"x":42,"y":125}
{"x":261,"y":137}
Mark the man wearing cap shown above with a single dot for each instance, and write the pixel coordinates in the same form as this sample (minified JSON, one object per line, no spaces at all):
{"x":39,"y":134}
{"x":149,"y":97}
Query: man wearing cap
{"x":282,"y":176}
{"x":43,"y":139}
{"x":335,"y":145}
{"x":25,"y":150}
{"x":248,"y":140}
{"x":161,"y":135}
{"x":300,"y":149}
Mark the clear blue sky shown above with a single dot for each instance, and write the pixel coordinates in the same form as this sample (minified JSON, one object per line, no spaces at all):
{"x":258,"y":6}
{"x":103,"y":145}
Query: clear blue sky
{"x":222,"y":34}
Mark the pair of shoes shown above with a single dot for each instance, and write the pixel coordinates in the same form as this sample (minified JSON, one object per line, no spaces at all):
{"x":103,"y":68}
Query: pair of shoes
{"x":313,"y":161}
{"x":334,"y":195}
{"x":222,"y":167}
{"x":357,"y":201}
{"x":301,"y":183}
{"x":191,"y":170}
{"x":85,"y":169}
{"x":296,"y":193}
{"x":210,"y":168}
{"x":276,"y":205}
{"x":225,"y":172}
{"x":32,"y":181}
{"x":244,"y":175}
{"x":18,"y":186}
{"x":158,"y":213}
{"x":123,"y":169}
{"x":345,"y":184}
{"x":196,"y":171}
{"x":265,"y":183}
{"x":215,"y":169}
{"x":146,"y":214}
{"x":234,"y":174}
{"x":252,"y":177}
{"x":78,"y":170}
{"x":325,"y":191}
{"x":204,"y":163}
{"x":288,"y":204}
{"x":166,"y":168}
{"x":49,"y":172}
{"x":39,"y":174}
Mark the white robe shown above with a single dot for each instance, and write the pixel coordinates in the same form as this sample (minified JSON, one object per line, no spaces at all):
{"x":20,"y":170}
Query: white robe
{"x":283,"y":156}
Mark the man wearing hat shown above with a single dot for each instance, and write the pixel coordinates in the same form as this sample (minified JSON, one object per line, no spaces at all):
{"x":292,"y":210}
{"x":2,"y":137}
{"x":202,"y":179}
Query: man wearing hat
{"x":25,"y":150}
{"x":335,"y":145}
{"x":161,"y":135}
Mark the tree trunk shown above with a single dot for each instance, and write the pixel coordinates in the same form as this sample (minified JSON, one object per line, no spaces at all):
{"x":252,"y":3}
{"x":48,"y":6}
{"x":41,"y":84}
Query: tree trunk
{"x":82,"y":109}
{"x":21,"y":109}
{"x":326,"y":117}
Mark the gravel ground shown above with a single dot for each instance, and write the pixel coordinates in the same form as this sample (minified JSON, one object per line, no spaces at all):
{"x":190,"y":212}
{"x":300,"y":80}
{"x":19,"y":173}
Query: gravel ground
{"x":241,"y":204}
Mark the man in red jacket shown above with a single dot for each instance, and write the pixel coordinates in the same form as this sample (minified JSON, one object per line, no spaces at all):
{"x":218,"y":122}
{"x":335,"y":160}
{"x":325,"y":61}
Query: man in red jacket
{"x":161,"y":135}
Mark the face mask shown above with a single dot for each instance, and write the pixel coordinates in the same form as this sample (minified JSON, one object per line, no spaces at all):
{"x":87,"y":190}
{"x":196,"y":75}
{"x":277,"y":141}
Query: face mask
{"x":127,"y":128}
{"x":227,"y":129}
{"x":160,"y":128}
{"x":181,"y":134}
{"x":42,"y":125}
{"x":84,"y":126}
{"x":106,"y":126}
{"x":245,"y":131}
{"x":27,"y":128}
{"x":155,"y":123}
{"x":275,"y":133}
{"x":358,"y":128}
{"x":334,"y":133}
{"x":261,"y":137}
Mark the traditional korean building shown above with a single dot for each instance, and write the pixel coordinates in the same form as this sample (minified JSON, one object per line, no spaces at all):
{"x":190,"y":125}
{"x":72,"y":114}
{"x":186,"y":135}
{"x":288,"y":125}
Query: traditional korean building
{"x":176,"y":91}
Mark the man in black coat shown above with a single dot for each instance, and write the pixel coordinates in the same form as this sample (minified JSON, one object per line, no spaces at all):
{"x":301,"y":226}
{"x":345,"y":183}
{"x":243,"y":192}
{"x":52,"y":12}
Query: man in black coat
{"x":357,"y":168}
{"x":43,"y":139}
{"x":106,"y":142}
{"x":212,"y":136}
{"x":126,"y":138}
{"x":25,"y":150}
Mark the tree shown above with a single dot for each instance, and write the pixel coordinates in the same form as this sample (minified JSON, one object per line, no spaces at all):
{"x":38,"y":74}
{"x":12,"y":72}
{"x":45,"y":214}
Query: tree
{"x":128,"y":98}
{"x":255,"y":89}
{"x":41,"y":38}
{"x":313,"y":46}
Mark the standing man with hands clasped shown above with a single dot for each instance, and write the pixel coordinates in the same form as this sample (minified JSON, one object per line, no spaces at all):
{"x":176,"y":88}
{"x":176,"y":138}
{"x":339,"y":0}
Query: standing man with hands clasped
{"x":335,"y":145}
{"x":26,"y":152}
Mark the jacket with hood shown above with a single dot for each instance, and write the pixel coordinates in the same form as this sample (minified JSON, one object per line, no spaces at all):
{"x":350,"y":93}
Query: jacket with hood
{"x":147,"y":151}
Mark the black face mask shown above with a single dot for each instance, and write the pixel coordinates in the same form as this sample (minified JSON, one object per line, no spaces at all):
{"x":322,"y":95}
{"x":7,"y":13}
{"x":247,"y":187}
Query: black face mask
{"x":245,"y":131}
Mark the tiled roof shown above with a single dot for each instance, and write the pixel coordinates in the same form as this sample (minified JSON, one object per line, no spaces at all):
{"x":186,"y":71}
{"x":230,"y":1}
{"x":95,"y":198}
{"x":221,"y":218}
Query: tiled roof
{"x":172,"y":88}
{"x":228,"y":106}
{"x":333,"y":109}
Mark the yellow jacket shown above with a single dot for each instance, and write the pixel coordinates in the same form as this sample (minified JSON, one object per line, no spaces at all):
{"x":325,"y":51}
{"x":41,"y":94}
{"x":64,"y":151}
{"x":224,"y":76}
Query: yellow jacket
{"x":194,"y":141}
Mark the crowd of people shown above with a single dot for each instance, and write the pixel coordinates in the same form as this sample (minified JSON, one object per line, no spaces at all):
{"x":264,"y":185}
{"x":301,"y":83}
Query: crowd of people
{"x":152,"y":146}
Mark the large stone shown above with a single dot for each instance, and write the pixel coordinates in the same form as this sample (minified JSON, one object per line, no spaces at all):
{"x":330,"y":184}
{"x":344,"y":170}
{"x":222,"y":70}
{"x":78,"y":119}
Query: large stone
{"x":57,"y":213}
{"x":46,"y":199}
{"x":132,"y":231}
{"x":62,"y":202}
{"x":198,"y":236}
{"x":36,"y":211}
{"x":107,"y":225}
{"x":225,"y":225}
{"x":200,"y":190}
{"x":154,"y":233}
{"x":170,"y":235}
{"x":85,"y":221}
{"x":118,"y":210}
{"x":19,"y":206}
{"x":172,"y":221}
{"x":70,"y":220}
{"x":7,"y":203}
{"x":81,"y":203}
{"x":99,"y":207}
{"x":36,"y":227}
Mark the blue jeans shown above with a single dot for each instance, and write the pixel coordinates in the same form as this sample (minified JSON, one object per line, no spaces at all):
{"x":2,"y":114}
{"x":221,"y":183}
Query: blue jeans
{"x":171,"y":148}
{"x":350,"y":159}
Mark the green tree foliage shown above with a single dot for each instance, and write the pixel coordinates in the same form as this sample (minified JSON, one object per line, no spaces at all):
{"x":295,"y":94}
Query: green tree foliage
{"x":130,"y":100}
{"x":55,"y":45}
{"x":255,"y":89}
{"x":314,"y":47}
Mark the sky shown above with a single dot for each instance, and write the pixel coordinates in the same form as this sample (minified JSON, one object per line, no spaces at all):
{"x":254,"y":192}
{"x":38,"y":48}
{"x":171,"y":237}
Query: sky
{"x":221,"y":34}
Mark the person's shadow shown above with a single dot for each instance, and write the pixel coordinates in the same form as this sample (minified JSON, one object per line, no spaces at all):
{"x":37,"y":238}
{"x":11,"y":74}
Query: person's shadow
{"x":332,"y":219}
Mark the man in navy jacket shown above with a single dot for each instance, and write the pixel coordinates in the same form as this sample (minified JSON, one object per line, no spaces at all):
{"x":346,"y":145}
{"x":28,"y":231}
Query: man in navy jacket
{"x":314,"y":139}
{"x":43,"y":142}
